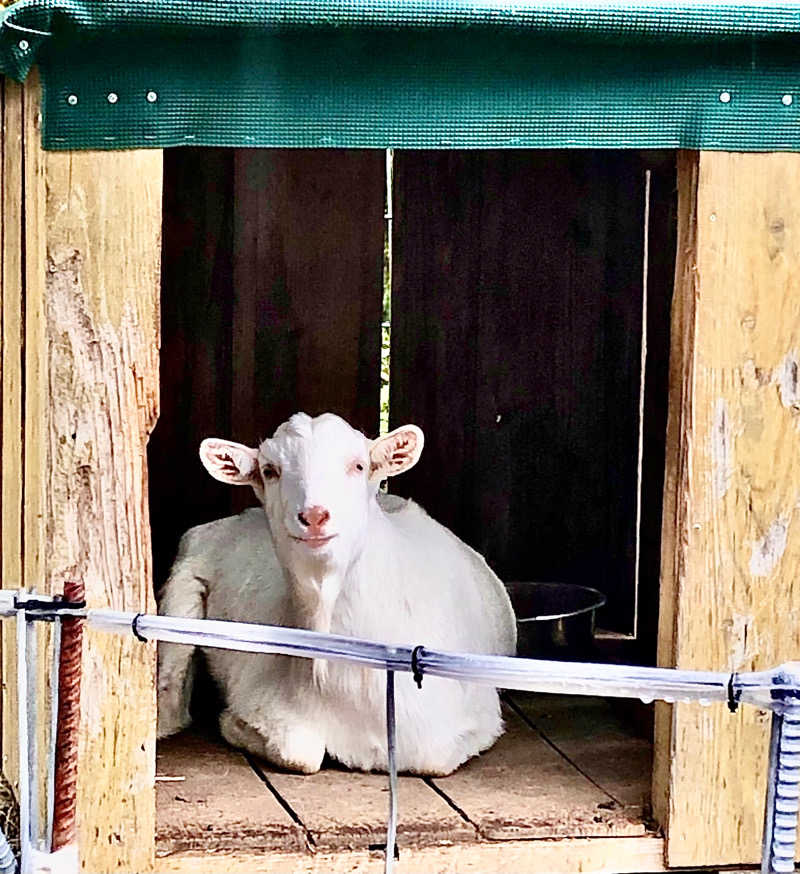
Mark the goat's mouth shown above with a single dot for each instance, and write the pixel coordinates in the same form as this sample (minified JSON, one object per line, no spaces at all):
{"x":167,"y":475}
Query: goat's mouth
{"x":313,"y":541}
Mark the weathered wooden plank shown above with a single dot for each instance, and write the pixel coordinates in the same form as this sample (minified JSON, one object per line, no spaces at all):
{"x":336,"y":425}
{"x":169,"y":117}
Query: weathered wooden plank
{"x":102,"y":328}
{"x":522,"y":788}
{"x":518,"y":285}
{"x":598,"y":855}
{"x":195,"y":371}
{"x":272,"y":304}
{"x":308,"y":270}
{"x":662,"y":232}
{"x":208,"y":798}
{"x":731,"y":543}
{"x":35,"y":389}
{"x":344,"y":810}
{"x":13,"y":446}
{"x":592,"y":735}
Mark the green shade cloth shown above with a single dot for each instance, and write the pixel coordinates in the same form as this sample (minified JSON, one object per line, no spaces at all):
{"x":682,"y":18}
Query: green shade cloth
{"x":410,"y":73}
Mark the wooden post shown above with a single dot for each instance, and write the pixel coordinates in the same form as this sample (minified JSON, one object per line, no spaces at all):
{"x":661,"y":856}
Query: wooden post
{"x":80,"y":381}
{"x":730,"y":587}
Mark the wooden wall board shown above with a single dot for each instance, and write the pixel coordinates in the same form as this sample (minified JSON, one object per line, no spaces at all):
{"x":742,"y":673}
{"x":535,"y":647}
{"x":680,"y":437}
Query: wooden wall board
{"x":195,"y":368}
{"x":25,"y":394}
{"x":661,"y":253}
{"x":517,"y":308}
{"x":523,"y":788}
{"x":209,"y":799}
{"x":308,"y":272}
{"x":13,"y":446}
{"x":731,"y":541}
{"x":590,"y":855}
{"x":272,"y":288}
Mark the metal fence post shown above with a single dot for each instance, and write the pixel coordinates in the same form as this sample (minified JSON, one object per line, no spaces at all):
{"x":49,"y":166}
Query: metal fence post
{"x":783,"y":790}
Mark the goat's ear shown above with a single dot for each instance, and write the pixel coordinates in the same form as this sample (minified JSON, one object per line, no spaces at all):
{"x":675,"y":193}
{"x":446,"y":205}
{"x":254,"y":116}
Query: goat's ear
{"x":229,"y":462}
{"x":397,"y":451}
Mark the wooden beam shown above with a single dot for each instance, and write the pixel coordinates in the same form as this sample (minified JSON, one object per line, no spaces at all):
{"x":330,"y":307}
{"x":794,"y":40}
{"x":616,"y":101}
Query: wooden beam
{"x":12,"y":445}
{"x":103,"y":252}
{"x":730,"y":587}
{"x":82,"y":343}
{"x":619,"y":855}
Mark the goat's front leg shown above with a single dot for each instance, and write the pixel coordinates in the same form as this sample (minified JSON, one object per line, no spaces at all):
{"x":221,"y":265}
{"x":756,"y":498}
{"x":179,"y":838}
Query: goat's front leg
{"x":273,"y":714}
{"x":184,"y":595}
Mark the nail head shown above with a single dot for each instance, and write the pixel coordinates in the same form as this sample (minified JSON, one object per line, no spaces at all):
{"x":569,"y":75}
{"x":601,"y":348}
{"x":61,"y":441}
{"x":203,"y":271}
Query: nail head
{"x":725,"y":97}
{"x":152,"y":96}
{"x":72,"y":99}
{"x":787,"y":100}
{"x":24,"y":45}
{"x":112,"y":97}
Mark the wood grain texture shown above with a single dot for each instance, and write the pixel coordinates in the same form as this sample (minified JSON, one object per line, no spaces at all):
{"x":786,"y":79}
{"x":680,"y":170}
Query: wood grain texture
{"x":308,"y":272}
{"x":24,"y":367}
{"x":272,"y":288}
{"x":209,"y":799}
{"x":343,"y":810}
{"x":592,"y":735}
{"x":516,"y":339}
{"x":524,"y":788}
{"x":102,"y":334}
{"x":580,"y":772}
{"x":13,"y":446}
{"x":80,"y":279}
{"x":195,"y":369}
{"x":598,"y":855}
{"x":731,"y":545}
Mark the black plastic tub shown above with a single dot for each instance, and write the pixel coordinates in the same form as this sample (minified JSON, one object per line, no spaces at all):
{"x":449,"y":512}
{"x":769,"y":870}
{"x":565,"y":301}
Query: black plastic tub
{"x":555,"y":620}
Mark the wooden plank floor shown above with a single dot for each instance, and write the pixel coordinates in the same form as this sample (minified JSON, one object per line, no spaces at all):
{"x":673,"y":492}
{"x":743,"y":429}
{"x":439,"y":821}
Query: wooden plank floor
{"x":566,"y":767}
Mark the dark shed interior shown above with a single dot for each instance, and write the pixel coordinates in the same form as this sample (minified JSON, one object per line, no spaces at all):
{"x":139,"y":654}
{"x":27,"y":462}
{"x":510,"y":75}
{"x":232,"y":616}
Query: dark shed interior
{"x":517,"y":312}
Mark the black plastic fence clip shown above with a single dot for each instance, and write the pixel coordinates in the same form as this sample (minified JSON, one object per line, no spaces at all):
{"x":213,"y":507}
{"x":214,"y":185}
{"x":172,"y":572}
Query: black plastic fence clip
{"x":46,"y":609}
{"x":416,"y":668}
{"x":135,"y":628}
{"x":733,"y":695}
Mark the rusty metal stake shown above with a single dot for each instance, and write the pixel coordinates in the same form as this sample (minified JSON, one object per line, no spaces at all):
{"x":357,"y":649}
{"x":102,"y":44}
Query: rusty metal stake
{"x":69,"y":701}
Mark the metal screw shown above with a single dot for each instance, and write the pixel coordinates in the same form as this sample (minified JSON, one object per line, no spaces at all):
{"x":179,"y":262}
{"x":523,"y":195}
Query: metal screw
{"x":23,"y":45}
{"x":72,"y":99}
{"x":152,"y":96}
{"x":112,"y":97}
{"x":787,"y":99}
{"x":725,"y":97}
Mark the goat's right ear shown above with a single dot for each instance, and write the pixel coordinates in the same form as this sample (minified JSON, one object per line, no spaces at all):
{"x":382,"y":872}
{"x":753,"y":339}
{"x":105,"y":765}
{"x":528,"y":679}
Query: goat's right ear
{"x":229,"y":462}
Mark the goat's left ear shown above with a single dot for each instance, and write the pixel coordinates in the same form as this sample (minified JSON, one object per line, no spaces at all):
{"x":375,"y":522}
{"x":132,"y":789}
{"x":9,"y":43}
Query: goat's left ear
{"x":395,"y":452}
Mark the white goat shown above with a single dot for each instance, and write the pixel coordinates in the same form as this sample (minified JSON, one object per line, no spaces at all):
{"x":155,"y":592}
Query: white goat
{"x":332,"y":554}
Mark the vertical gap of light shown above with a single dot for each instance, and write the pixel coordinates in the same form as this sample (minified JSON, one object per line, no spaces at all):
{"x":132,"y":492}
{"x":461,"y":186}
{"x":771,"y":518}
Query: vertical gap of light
{"x":386,"y":314}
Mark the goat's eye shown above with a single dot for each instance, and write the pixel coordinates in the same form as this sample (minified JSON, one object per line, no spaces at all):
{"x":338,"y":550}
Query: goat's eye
{"x":359,"y":466}
{"x":355,"y":466}
{"x":270,"y":471}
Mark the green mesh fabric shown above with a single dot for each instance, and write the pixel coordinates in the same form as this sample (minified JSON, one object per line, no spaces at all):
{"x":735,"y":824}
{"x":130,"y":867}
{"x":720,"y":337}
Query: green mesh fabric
{"x":410,"y":73}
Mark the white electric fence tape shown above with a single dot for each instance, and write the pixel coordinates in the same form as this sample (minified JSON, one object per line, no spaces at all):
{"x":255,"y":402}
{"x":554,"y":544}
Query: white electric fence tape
{"x":777,"y":689}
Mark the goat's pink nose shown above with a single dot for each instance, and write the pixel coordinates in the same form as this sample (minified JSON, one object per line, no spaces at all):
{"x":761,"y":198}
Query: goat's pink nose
{"x":314,"y":517}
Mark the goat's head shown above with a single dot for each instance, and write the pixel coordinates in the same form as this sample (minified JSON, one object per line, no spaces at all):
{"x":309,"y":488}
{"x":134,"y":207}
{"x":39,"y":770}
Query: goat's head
{"x":317,"y":479}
